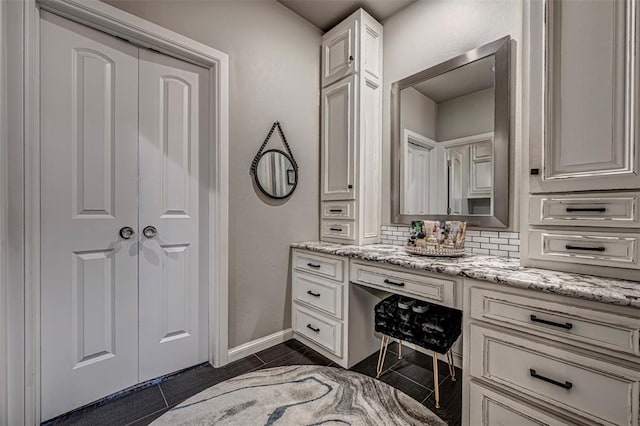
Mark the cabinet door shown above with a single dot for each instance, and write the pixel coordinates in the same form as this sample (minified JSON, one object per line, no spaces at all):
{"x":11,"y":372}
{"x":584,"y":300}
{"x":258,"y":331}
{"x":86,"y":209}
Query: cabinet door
{"x":586,"y":138}
{"x":339,"y":52}
{"x":338,"y":140}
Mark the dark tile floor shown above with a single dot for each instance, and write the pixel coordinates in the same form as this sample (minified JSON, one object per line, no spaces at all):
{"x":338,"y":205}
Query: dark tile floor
{"x":413,"y":375}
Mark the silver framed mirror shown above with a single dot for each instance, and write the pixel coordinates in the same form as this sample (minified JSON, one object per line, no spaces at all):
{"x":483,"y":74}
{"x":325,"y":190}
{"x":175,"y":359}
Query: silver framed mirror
{"x":450,"y":140}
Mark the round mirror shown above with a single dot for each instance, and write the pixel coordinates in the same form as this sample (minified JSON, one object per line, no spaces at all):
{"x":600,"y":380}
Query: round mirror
{"x":275,"y":174}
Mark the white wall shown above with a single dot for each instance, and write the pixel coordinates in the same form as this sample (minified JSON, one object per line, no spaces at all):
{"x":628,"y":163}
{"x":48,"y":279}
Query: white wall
{"x":419,"y":113}
{"x":466,"y":115}
{"x":274,"y":75}
{"x":429,"y":32}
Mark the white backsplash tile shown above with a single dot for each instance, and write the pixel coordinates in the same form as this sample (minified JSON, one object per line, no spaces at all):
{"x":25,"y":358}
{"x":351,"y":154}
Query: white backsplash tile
{"x":494,"y":243}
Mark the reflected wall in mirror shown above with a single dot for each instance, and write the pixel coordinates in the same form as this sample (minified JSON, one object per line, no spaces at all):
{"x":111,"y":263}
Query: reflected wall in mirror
{"x":276,"y":175}
{"x":450,"y":136}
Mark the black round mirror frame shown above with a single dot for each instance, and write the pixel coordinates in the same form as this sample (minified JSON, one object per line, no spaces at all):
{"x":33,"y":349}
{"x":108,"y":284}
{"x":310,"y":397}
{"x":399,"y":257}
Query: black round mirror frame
{"x":293,"y":169}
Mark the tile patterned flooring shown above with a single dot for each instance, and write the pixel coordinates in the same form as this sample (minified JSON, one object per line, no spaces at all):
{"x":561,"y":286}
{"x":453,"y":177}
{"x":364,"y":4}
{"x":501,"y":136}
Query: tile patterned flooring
{"x":413,"y":375}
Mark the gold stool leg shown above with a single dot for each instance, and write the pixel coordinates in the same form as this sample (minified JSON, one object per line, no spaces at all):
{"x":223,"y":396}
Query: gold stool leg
{"x":435,"y":379}
{"x":383,"y":352}
{"x":452,"y":369}
{"x":399,"y":349}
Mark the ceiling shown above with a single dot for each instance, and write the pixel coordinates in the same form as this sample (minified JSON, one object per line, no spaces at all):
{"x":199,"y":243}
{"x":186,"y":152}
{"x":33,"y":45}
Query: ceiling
{"x":325,"y":14}
{"x":461,"y":81}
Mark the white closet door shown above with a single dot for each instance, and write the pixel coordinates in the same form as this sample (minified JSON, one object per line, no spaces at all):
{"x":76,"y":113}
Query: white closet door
{"x":89,"y":275}
{"x":173,"y":125}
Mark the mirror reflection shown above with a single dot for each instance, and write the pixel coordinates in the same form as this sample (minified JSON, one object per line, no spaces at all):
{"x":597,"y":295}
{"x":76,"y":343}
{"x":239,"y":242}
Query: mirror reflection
{"x":275,"y":174}
{"x":446,"y":131}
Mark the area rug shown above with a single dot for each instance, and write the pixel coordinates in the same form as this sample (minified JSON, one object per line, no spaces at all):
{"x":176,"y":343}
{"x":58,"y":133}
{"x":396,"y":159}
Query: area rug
{"x":300,"y":395}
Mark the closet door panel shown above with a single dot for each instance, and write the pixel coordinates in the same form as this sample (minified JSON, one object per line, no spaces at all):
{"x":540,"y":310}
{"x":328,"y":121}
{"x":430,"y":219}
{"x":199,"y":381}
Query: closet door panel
{"x":89,"y":284}
{"x":173,"y":180}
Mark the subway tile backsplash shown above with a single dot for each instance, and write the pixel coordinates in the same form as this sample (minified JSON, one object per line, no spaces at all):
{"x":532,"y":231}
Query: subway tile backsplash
{"x":494,"y":243}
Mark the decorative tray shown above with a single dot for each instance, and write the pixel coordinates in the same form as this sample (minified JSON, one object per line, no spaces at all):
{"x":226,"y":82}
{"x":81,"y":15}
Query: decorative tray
{"x":436,"y":251}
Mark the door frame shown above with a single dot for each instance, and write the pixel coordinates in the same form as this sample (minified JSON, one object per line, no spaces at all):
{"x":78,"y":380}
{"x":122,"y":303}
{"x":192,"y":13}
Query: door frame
{"x":114,"y":21}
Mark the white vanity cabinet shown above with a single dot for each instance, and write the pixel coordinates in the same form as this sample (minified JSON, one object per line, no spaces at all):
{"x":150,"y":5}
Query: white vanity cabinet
{"x":584,"y":138}
{"x":351,"y":131}
{"x":534,"y":358}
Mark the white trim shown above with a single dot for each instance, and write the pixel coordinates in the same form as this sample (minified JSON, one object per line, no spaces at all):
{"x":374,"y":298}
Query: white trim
{"x":260,"y":344}
{"x":112,"y":20}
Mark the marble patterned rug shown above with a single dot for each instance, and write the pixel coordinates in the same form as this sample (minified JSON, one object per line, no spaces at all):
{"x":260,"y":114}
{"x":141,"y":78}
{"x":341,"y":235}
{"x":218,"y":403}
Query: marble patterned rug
{"x":300,"y":395}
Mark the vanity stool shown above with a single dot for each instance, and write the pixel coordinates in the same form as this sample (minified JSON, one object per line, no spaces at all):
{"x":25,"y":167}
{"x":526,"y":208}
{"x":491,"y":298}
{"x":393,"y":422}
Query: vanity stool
{"x":433,"y":327}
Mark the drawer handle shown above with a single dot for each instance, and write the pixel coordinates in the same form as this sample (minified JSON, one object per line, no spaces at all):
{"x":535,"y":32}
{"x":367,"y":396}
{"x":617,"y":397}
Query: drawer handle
{"x":586,"y":209}
{"x":570,"y":247}
{"x":313,"y":294}
{"x":566,"y":385}
{"x":335,"y":210}
{"x":313,"y":265}
{"x":566,"y":325}
{"x":310,"y":327}
{"x":393,"y":283}
{"x":335,"y":229}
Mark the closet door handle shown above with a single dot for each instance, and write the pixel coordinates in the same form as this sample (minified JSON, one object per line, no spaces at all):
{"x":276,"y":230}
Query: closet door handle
{"x":393,"y":283}
{"x":150,"y":231}
{"x":313,"y":294}
{"x":571,"y":247}
{"x":310,"y":327}
{"x":586,"y":209}
{"x":126,"y":232}
{"x":566,"y":325}
{"x":566,"y":385}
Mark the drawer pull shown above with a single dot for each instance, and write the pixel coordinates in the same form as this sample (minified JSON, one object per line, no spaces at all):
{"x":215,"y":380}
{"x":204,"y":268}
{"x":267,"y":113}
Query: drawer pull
{"x":310,"y":327}
{"x":586,"y":209}
{"x":570,"y":247}
{"x":335,"y":210}
{"x":565,"y":385}
{"x":566,"y":325}
{"x":386,"y":281}
{"x":313,"y":265}
{"x":313,"y":294}
{"x":335,"y":229}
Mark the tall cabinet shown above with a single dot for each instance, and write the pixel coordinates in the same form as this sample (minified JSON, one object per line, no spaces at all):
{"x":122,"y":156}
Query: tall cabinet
{"x":584,"y":159}
{"x":351,"y":131}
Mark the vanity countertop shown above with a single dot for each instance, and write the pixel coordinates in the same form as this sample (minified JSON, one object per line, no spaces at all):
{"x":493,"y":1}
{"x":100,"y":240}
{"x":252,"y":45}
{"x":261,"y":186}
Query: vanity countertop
{"x":500,"y":270}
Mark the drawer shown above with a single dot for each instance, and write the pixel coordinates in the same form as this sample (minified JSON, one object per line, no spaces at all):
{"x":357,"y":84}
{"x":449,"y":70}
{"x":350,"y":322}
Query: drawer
{"x":489,"y":408}
{"x":610,"y":210}
{"x":338,"y":229}
{"x":318,"y":328}
{"x":556,"y":321}
{"x":339,"y":210}
{"x":432,"y":289}
{"x":589,"y":248}
{"x":601,"y":391}
{"x":320,"y":293}
{"x":319,"y":265}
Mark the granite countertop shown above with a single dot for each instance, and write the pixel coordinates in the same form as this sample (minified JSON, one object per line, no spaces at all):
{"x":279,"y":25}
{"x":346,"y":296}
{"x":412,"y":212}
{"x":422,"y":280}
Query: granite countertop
{"x":500,"y":270}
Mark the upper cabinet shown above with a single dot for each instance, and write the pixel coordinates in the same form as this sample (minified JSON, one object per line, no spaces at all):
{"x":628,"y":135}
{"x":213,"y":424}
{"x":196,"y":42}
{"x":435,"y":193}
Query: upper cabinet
{"x":351,"y":131}
{"x":339,"y":51}
{"x":584,"y":97}
{"x":353,"y":45}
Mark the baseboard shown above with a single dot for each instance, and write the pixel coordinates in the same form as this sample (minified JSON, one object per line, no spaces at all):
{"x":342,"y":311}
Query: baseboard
{"x":260,"y":344}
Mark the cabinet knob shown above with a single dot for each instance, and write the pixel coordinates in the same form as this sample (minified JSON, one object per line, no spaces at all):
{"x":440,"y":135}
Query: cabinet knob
{"x":350,"y":58}
{"x":535,"y":172}
{"x":350,"y":186}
